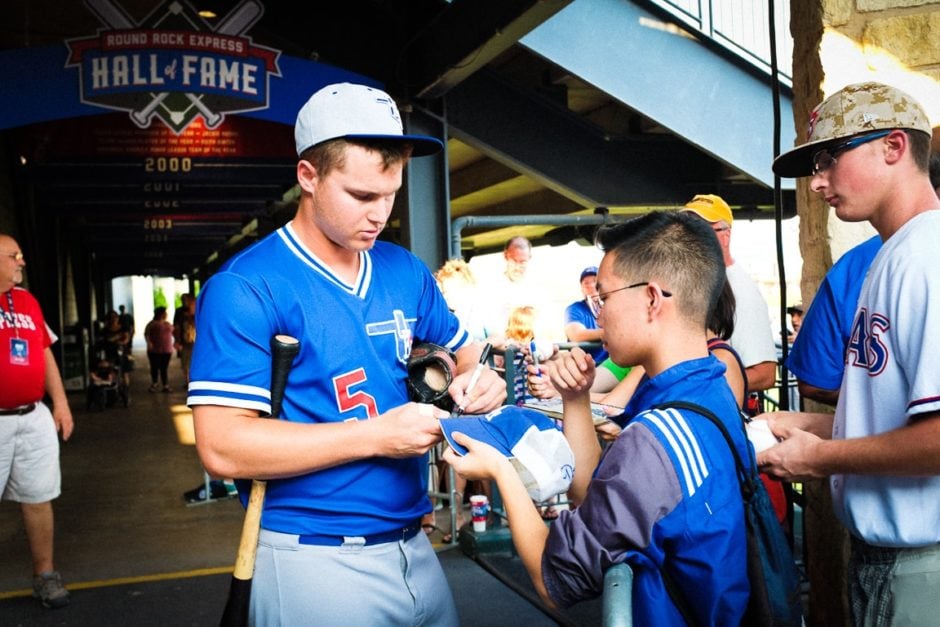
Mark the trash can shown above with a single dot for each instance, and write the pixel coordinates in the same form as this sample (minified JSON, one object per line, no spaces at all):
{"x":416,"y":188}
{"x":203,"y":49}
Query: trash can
{"x":75,"y":358}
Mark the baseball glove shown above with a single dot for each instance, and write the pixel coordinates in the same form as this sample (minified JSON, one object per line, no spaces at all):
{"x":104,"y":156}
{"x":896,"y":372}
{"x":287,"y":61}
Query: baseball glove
{"x":431,"y":370}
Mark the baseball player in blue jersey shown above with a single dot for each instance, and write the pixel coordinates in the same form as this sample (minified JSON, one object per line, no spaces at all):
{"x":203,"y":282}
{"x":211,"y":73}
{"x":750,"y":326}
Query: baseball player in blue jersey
{"x":340,"y":539}
{"x":817,"y":358}
{"x":867,"y":154}
{"x":665,"y":495}
{"x":581,"y":319}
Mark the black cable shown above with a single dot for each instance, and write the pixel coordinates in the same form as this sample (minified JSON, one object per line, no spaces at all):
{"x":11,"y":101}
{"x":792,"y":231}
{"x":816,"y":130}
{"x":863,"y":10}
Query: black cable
{"x":784,"y":401}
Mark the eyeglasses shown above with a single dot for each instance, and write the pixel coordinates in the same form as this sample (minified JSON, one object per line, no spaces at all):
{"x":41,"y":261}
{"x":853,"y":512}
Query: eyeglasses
{"x":599,"y":299}
{"x":15,"y":256}
{"x":826,"y":158}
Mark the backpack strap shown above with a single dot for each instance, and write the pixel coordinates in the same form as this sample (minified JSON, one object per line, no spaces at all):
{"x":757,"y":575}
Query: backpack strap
{"x":745,"y":479}
{"x":716,"y":343}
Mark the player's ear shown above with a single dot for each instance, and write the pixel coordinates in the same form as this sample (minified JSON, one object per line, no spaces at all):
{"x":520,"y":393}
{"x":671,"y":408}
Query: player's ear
{"x":655,"y":295}
{"x":896,"y":143}
{"x":307,"y":176}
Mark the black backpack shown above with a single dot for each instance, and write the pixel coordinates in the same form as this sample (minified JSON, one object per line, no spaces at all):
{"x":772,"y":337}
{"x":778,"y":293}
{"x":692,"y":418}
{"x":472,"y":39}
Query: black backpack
{"x":771,"y":569}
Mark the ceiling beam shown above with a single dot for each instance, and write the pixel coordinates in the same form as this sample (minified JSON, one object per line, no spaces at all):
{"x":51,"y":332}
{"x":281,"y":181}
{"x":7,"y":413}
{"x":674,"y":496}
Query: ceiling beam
{"x":465,"y":37}
{"x":564,"y":153}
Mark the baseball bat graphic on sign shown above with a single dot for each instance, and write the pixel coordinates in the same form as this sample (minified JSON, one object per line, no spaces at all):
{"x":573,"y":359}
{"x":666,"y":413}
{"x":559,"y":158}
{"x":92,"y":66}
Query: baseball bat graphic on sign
{"x":237,"y":22}
{"x":283,"y":350}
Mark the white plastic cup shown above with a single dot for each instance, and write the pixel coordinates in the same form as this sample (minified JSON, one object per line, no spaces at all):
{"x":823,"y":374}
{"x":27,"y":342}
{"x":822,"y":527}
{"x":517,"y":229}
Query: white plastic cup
{"x":479,"y":510}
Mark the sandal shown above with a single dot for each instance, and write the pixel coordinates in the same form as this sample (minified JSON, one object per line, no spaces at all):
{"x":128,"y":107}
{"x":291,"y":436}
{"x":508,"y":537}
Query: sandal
{"x":429,"y":528}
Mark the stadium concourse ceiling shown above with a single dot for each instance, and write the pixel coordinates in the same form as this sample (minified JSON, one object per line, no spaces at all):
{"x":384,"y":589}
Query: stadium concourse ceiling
{"x":526,"y":136}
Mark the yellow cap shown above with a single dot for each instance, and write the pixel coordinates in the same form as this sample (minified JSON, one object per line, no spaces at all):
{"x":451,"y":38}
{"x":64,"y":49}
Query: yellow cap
{"x":710,"y":207}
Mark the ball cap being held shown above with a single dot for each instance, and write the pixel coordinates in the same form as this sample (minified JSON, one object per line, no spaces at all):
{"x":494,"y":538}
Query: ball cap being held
{"x":710,"y":207}
{"x":853,"y":110}
{"x":353,"y":111}
{"x":536,"y":448}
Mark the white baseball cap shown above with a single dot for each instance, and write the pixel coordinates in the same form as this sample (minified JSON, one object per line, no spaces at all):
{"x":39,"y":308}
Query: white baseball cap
{"x":536,"y":448}
{"x":355,"y":111}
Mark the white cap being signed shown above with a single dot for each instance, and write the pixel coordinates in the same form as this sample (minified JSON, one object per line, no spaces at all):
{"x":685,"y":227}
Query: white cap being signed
{"x":536,"y":448}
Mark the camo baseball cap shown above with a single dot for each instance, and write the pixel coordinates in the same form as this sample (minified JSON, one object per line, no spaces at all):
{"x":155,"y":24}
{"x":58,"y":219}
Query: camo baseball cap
{"x":854,"y":110}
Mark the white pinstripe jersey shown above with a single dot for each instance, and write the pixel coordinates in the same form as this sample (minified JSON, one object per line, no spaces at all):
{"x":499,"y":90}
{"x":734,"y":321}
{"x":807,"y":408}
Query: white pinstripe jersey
{"x":892,"y":376}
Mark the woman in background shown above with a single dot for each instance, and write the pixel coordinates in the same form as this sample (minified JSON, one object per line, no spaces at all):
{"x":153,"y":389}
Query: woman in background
{"x":159,"y":336}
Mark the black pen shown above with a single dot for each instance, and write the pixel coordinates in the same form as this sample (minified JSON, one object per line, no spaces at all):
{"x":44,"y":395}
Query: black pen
{"x":475,"y":377}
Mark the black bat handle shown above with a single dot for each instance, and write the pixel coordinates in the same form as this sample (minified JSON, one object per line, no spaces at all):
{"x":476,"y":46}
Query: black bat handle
{"x":283,"y":350}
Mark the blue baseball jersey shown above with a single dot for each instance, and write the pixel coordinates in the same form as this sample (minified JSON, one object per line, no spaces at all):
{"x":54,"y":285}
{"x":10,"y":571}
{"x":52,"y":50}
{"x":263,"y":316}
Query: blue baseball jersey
{"x":818,"y":353}
{"x":355,"y":340}
{"x":580,"y":312}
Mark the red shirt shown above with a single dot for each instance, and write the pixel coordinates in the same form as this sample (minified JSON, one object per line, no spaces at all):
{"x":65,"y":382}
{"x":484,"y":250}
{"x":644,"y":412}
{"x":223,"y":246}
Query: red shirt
{"x":22,"y":377}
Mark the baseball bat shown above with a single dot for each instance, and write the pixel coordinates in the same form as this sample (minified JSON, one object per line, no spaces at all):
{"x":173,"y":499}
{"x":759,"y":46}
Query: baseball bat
{"x":142,"y":117}
{"x":110,"y":14}
{"x":212,"y":118}
{"x":283,"y":350}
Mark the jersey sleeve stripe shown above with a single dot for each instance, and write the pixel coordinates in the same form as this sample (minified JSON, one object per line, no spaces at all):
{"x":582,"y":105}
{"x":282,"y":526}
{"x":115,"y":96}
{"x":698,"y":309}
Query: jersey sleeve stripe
{"x":227,"y":401}
{"x":462,"y":337}
{"x":235,"y":388}
{"x":922,"y":401}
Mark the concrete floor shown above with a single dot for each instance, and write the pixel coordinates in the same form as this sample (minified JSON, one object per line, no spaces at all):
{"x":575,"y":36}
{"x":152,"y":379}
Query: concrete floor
{"x":134,"y":553}
{"x":121,"y":513}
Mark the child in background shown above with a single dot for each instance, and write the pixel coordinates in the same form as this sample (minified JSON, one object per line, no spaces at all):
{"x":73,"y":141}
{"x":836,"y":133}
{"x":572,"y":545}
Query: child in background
{"x":520,"y":333}
{"x":520,"y":336}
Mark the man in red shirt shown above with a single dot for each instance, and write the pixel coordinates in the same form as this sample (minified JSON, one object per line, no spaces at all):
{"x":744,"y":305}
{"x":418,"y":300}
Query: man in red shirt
{"x":29,"y":446}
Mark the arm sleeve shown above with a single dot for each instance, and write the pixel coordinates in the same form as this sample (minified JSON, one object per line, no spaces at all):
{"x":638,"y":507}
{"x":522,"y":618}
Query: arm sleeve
{"x":818,"y":354}
{"x":918,"y":346}
{"x":753,"y":336}
{"x":51,"y":338}
{"x":575,"y":313}
{"x":634,"y":487}
{"x":232,"y":360}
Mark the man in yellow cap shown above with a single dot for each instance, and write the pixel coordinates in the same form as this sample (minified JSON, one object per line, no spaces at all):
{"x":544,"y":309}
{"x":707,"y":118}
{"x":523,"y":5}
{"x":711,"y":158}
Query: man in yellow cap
{"x":753,"y":336}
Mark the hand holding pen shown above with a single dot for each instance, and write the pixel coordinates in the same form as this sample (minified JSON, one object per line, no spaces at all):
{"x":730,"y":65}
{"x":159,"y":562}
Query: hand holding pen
{"x":534,"y":352}
{"x":484,"y":356}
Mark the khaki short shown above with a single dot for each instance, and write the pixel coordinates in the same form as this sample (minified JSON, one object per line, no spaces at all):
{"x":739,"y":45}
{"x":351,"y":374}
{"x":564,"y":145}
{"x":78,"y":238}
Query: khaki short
{"x":29,"y":457}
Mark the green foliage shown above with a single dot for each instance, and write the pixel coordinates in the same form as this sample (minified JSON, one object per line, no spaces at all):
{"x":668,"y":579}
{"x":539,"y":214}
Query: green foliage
{"x":159,"y":298}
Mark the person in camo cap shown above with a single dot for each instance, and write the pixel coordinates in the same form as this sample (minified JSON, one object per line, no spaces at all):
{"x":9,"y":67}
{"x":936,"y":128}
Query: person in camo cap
{"x":867,"y":154}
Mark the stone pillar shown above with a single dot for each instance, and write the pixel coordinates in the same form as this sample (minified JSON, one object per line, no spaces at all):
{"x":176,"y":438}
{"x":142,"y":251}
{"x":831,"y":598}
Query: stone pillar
{"x":837,"y":42}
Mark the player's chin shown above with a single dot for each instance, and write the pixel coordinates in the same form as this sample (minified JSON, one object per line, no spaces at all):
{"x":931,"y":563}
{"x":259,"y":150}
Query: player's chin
{"x":620,"y":358}
{"x":367,"y":239}
{"x":361,"y":242}
{"x":846,"y":214}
